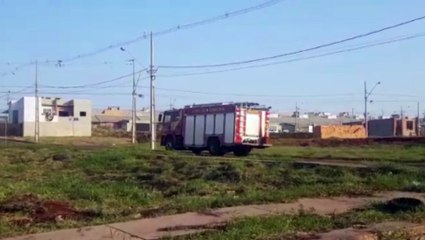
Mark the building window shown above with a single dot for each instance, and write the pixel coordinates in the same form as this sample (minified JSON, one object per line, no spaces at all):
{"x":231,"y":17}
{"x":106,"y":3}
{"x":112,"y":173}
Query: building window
{"x":83,"y":114}
{"x":63,"y":114}
{"x":410,"y":125}
{"x":15,"y":116}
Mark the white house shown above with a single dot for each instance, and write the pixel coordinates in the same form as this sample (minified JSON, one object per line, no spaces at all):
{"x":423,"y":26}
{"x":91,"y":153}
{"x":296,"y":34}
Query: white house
{"x":58,"y":118}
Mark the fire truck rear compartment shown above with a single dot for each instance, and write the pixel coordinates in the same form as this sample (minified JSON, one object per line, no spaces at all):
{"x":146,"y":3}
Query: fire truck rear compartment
{"x":199,"y":128}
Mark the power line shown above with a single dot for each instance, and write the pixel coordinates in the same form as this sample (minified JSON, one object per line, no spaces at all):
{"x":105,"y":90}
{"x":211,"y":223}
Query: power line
{"x":15,"y":69}
{"x":120,"y":85}
{"x":8,"y":93}
{"x":11,"y":63}
{"x":239,"y":68}
{"x":296,"y":59}
{"x":93,"y":88}
{"x":96,"y":83}
{"x":176,"y":28}
{"x":77,"y":93}
{"x":362,"y":46}
{"x":143,"y":37}
{"x":298,"y":51}
{"x":256,"y":95}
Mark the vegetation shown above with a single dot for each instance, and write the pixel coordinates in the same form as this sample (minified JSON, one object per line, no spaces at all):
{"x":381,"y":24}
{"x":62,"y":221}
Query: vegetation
{"x":386,"y":152}
{"x":306,"y":225}
{"x":119,"y":182}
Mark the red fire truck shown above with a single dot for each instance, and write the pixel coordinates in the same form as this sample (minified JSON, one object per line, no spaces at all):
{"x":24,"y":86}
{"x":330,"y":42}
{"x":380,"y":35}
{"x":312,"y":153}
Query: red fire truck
{"x":217,"y":127}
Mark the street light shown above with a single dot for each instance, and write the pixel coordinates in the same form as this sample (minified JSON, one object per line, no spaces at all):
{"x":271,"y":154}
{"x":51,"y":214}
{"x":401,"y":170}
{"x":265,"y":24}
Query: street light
{"x":366,"y":101}
{"x":134,"y":94}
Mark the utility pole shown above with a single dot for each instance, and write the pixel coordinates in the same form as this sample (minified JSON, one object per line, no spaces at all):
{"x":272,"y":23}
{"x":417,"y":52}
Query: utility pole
{"x":296,"y":116}
{"x":152,"y":96}
{"x":366,"y":101}
{"x":172,"y":101}
{"x":418,"y":121}
{"x":7,"y":118}
{"x":133,"y":112}
{"x":37,"y":107}
{"x":365,"y":109}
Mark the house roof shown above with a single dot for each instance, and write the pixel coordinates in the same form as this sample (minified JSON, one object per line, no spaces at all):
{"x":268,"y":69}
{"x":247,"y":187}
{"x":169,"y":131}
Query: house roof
{"x":109,"y":119}
{"x":303,"y":123}
{"x":100,"y":118}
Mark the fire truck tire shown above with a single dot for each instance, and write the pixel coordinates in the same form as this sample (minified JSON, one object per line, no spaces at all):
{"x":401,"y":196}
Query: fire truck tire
{"x":169,"y":143}
{"x":215,"y":148}
{"x":197,"y":151}
{"x":241,"y":151}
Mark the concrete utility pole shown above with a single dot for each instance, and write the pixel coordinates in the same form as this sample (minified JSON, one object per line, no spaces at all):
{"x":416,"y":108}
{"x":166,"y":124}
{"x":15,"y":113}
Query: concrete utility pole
{"x":152,"y":95}
{"x":365,"y":109}
{"x":7,"y":118}
{"x":401,"y":112}
{"x":418,"y":121}
{"x":134,"y":96}
{"x":296,"y":116}
{"x":366,"y":101}
{"x":37,"y":107}
{"x":133,"y":112}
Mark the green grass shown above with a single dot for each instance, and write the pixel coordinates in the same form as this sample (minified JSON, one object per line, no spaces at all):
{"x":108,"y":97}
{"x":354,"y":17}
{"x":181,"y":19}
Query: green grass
{"x":122,"y":181}
{"x":412,"y":153}
{"x":289,"y":227}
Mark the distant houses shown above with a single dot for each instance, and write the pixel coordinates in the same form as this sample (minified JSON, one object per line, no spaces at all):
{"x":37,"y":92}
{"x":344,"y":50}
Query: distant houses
{"x":304,"y":122}
{"x":75,"y":117}
{"x":115,"y":118}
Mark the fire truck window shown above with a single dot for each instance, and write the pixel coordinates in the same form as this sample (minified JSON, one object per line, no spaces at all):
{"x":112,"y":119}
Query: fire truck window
{"x":167,"y":118}
{"x":176,"y":117}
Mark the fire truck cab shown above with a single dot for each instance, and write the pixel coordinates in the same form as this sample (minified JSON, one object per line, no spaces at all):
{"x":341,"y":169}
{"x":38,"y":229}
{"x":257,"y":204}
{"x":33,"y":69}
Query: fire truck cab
{"x":218,"y":128}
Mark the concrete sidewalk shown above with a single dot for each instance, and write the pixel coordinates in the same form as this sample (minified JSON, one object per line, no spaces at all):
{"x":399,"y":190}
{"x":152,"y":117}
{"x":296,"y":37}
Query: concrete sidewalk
{"x":186,"y":223}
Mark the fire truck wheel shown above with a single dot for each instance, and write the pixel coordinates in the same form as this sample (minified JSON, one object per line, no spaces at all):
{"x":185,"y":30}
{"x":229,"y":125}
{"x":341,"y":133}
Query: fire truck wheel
{"x":197,"y":151}
{"x":215,"y":148}
{"x":242,"y":151}
{"x":169,"y":143}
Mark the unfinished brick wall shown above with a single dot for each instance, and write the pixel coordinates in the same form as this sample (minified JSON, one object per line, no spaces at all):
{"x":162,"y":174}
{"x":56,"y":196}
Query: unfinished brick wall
{"x":339,"y":131}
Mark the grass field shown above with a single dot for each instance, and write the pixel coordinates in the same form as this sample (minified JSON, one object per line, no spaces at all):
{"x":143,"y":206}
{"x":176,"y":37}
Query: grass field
{"x":117,"y":182}
{"x":306,"y":225}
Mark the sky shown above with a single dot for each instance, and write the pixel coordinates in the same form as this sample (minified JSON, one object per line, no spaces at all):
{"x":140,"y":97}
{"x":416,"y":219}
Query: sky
{"x":50,"y":30}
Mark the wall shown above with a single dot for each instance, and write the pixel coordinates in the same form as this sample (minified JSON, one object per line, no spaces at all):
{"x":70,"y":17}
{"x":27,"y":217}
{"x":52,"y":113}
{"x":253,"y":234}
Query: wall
{"x":393,"y":128}
{"x":18,"y":106}
{"x":382,"y":128}
{"x":65,"y":127}
{"x":404,"y":130}
{"x":339,"y":131}
{"x":12,"y":129}
{"x":59,"y":126}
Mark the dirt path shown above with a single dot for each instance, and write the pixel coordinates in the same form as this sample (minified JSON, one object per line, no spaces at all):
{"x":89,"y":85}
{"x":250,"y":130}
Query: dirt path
{"x":186,"y":223}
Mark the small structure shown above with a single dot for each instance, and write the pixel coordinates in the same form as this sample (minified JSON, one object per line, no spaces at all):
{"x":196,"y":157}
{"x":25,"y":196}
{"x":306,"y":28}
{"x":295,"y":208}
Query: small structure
{"x":110,"y":122}
{"x":394,"y":127}
{"x":57,"y":117}
{"x":275,"y":128}
{"x":340,"y":131}
{"x":115,"y":118}
{"x":288,"y":127}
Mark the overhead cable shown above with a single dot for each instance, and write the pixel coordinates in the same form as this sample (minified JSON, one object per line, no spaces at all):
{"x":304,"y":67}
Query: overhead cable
{"x":299,"y":51}
{"x":176,"y":28}
{"x":295,"y":59}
